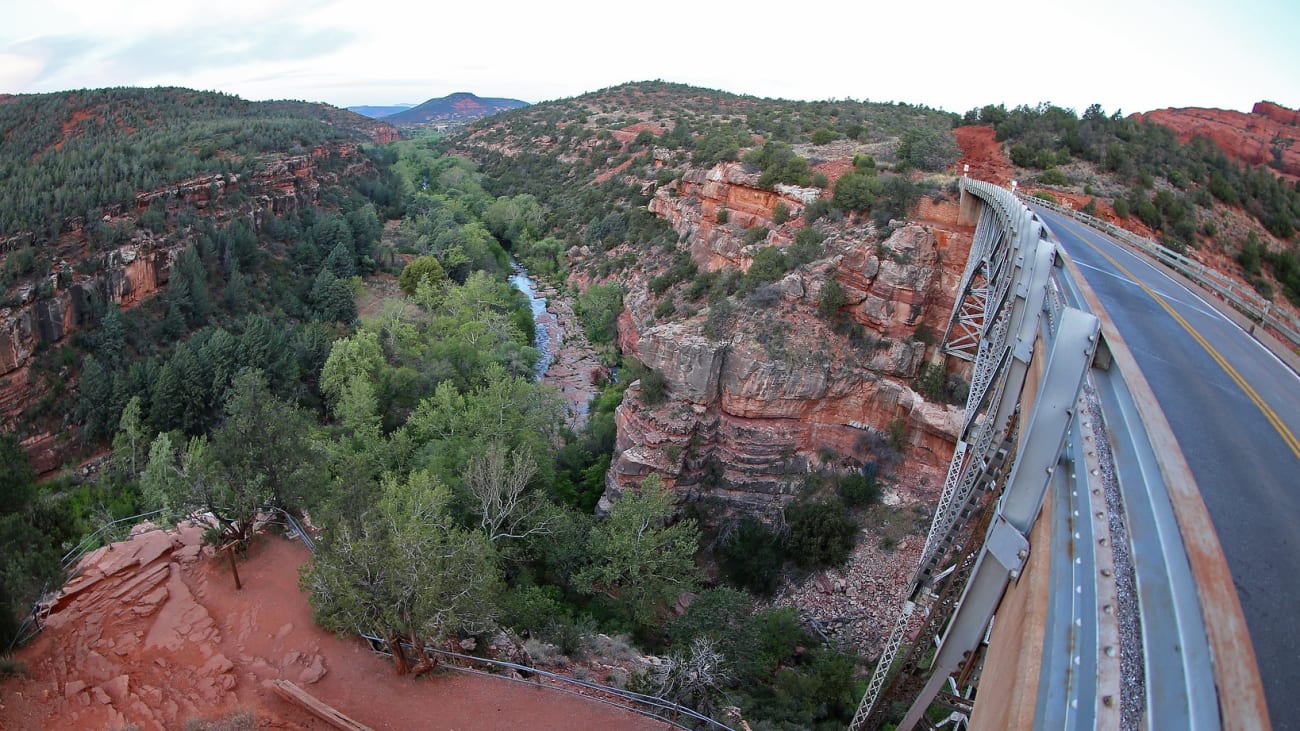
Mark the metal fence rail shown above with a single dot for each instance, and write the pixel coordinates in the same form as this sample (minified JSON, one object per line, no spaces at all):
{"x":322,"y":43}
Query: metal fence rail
{"x":1245,"y":299}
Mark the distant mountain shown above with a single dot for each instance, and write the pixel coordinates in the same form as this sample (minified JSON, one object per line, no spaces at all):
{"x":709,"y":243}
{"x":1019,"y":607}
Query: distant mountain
{"x":454,"y":109}
{"x":377,"y":112}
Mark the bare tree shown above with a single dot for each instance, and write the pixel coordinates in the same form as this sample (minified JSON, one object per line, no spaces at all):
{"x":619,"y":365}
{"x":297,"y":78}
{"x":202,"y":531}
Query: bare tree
{"x":694,"y":678}
{"x":499,"y":482}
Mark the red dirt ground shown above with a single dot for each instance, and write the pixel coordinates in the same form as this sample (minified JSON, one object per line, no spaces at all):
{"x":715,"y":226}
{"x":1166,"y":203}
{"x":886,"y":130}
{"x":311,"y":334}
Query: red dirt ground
{"x":154,"y":634}
{"x":981,"y":150}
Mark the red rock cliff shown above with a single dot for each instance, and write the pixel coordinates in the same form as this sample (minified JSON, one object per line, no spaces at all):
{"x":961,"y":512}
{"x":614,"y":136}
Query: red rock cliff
{"x":780,"y":392}
{"x":1265,"y":136}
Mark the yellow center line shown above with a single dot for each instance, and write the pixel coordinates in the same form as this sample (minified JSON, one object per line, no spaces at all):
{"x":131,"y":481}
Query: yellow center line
{"x":1251,"y":393}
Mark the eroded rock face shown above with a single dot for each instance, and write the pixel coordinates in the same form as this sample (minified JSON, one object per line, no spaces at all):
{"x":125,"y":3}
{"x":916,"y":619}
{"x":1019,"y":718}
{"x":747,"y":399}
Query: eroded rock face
{"x":1265,"y":136}
{"x":753,"y":408}
{"x":693,"y":205}
{"x":127,"y":604}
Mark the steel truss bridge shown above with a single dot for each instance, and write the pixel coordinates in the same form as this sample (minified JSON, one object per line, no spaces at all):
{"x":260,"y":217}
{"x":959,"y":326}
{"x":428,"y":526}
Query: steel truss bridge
{"x":1071,"y":578}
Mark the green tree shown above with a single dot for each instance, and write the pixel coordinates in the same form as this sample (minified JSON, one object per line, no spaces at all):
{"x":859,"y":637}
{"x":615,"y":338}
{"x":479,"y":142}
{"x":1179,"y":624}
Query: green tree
{"x":856,"y":191}
{"x":264,"y":446}
{"x":927,"y":148}
{"x":780,"y":164}
{"x":821,"y":533}
{"x":421,"y":268}
{"x":598,"y":308}
{"x":638,"y":555}
{"x":357,"y":356}
{"x":131,"y":439}
{"x":769,"y":264}
{"x":406,"y":572}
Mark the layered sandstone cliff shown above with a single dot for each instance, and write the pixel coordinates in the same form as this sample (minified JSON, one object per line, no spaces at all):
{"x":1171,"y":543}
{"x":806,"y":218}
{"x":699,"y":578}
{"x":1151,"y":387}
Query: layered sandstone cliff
{"x":1266,"y":136}
{"x":780,"y":390}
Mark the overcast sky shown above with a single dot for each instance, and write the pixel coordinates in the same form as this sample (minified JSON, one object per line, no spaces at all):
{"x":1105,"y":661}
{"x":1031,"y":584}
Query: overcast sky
{"x":1124,"y":54}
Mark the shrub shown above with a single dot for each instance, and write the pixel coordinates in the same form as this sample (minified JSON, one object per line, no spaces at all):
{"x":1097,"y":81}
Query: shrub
{"x":807,"y":246}
{"x":857,"y":191}
{"x":824,"y":136}
{"x":756,"y":235}
{"x":816,"y":210}
{"x":769,"y":264}
{"x":654,"y":386}
{"x":896,"y":434}
{"x":859,"y":490}
{"x":665,"y":307}
{"x":780,"y":213}
{"x":1121,"y":208}
{"x":752,"y":557}
{"x":1044,"y":195}
{"x":1090,"y":207}
{"x":723,"y":216}
{"x":821,"y":533}
{"x":832,"y":299}
{"x":422,"y":268}
{"x":1053,"y":176}
{"x":779,"y":164}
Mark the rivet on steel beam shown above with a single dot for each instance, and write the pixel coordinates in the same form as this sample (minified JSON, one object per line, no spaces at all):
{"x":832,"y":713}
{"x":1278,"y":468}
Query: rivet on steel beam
{"x":1110,"y":651}
{"x":1106,"y":572}
{"x":1094,"y":473}
{"x":1014,"y":574}
{"x":1108,"y":609}
{"x":1108,"y":701}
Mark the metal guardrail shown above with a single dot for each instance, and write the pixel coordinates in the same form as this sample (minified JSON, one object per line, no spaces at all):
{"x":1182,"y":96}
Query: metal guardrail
{"x":1245,"y":299}
{"x":654,"y":706}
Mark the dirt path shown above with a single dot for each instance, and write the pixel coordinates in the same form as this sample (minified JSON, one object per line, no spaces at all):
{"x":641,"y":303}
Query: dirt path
{"x":153,"y":634}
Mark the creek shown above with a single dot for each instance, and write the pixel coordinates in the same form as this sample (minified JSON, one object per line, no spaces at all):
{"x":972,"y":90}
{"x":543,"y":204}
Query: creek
{"x":544,"y":323}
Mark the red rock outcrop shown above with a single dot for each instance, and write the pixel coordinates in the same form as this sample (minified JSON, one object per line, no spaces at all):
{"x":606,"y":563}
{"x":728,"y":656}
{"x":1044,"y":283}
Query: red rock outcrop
{"x":779,"y":392}
{"x":1265,"y":136}
{"x":692,"y":206}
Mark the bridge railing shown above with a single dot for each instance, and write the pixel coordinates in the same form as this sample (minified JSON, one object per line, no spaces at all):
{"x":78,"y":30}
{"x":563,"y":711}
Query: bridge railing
{"x":1137,"y":617}
{"x":1245,"y":299}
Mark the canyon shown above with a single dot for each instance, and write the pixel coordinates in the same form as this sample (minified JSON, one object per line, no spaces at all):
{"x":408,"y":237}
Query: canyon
{"x":42,"y":315}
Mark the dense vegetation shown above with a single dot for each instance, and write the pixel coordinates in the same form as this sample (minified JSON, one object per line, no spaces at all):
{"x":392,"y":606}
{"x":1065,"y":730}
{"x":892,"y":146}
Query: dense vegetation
{"x":1170,"y":186}
{"x":69,"y":155}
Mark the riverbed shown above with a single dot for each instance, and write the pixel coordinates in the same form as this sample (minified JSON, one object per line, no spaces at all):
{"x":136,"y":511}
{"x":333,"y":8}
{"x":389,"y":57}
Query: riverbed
{"x":568,"y":361}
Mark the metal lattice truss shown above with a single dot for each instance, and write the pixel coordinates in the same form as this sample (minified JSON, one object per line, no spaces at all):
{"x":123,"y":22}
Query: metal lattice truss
{"x":995,"y":323}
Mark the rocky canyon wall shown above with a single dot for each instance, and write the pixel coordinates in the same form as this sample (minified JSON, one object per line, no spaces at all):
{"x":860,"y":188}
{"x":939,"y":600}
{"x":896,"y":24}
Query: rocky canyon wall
{"x":780,"y":390}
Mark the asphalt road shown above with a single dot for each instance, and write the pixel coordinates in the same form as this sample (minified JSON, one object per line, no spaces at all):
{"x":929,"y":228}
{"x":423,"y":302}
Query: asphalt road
{"x":1246,"y":460}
